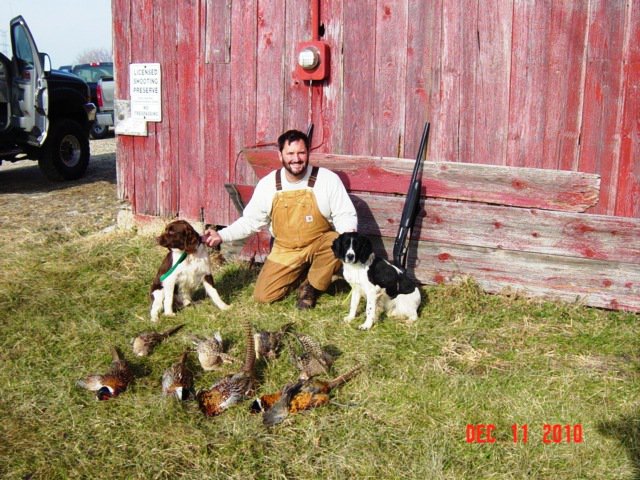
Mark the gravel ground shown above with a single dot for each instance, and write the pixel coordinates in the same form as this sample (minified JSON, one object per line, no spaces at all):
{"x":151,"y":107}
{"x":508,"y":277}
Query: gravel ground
{"x":31,"y":204}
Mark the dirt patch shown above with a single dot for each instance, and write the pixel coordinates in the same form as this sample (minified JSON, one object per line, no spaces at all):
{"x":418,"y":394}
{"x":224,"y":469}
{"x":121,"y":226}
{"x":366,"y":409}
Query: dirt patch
{"x":32,"y":206}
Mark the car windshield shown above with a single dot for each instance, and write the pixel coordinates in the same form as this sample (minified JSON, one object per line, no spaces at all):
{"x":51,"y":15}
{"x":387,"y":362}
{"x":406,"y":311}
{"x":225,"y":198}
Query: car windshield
{"x":94,"y":72}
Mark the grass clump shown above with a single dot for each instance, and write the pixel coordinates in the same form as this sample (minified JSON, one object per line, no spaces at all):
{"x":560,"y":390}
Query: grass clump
{"x":471,"y":358}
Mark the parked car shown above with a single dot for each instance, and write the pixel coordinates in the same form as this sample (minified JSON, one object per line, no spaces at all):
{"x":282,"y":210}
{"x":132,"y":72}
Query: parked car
{"x":92,"y":73}
{"x":45,"y":114}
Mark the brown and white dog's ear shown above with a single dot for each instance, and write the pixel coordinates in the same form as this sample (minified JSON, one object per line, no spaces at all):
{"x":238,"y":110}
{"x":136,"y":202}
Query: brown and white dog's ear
{"x":191,"y":240}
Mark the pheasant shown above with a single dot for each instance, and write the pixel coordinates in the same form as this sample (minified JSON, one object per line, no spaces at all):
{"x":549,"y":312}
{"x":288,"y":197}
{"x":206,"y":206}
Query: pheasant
{"x":234,"y":388}
{"x":177,"y":380}
{"x":210,"y":351}
{"x":112,"y":383}
{"x":144,"y":343}
{"x":313,"y":360}
{"x":268,"y":343}
{"x":299,"y":396}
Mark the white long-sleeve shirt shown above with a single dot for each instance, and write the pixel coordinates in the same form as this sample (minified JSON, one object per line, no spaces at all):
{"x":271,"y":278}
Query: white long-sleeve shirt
{"x":332,"y":198}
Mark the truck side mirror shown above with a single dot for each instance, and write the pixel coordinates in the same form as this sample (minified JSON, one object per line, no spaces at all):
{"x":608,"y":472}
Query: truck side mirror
{"x":45,"y":61}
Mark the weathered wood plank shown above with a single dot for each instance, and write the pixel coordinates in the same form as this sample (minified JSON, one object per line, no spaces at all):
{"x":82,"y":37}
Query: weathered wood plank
{"x":562,"y":120}
{"x":242,"y":94}
{"x":270,"y":84}
{"x":190,"y":152}
{"x":144,"y":147}
{"x":521,"y":187}
{"x":217,"y":30}
{"x":358,"y":131}
{"x":330,"y":106}
{"x":125,"y":169}
{"x":488,"y":42}
{"x":602,"y":111}
{"x":297,"y":105}
{"x":447,"y":115}
{"x":596,"y":237}
{"x":528,"y":78}
{"x":604,"y":284}
{"x":167,"y":132}
{"x":628,"y":191}
{"x":423,"y":68}
{"x":217,"y":172}
{"x":389,"y":84}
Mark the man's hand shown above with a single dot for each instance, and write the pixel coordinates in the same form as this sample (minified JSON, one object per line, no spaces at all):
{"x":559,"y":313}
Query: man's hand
{"x":211,"y":238}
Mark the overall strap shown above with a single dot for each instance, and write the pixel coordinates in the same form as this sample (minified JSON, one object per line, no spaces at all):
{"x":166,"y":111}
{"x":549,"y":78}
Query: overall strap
{"x":313,"y":177}
{"x":278,"y":180}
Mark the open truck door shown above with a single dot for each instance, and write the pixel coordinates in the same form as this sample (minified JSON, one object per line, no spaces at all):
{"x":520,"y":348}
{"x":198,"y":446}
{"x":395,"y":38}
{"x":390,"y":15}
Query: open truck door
{"x":30,"y":98}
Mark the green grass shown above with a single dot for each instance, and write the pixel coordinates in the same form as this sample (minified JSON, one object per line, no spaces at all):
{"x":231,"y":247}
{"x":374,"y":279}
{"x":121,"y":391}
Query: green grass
{"x":471,"y":358}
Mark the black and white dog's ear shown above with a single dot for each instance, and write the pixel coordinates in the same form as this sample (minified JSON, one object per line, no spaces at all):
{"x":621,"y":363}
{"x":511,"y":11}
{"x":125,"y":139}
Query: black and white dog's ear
{"x":363,"y":247}
{"x":335,"y":247}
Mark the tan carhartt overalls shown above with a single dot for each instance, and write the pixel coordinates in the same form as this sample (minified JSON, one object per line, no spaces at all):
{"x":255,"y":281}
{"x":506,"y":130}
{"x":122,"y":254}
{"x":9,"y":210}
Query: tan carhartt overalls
{"x":303,"y":239}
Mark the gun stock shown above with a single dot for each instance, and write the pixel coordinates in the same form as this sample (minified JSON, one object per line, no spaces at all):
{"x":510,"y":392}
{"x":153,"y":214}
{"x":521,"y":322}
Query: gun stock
{"x":411,"y":203}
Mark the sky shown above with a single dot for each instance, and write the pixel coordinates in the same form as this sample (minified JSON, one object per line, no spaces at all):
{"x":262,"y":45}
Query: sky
{"x":62,"y":28}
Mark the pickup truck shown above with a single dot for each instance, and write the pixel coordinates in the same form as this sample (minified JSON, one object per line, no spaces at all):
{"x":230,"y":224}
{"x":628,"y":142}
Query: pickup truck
{"x":104,"y":117}
{"x":45,"y":114}
{"x":92,"y":73}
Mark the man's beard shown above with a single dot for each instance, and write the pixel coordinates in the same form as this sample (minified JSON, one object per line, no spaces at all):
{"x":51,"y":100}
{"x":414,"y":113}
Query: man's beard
{"x":288,"y":168}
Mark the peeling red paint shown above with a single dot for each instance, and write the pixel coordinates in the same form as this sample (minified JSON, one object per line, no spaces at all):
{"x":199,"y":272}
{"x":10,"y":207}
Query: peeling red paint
{"x":535,"y":234}
{"x":582,"y":228}
{"x":497,"y":224}
{"x":518,"y":184}
{"x":438,"y":278}
{"x":607,"y":283}
{"x":443,"y":257}
{"x":588,"y":252}
{"x":628,"y":285}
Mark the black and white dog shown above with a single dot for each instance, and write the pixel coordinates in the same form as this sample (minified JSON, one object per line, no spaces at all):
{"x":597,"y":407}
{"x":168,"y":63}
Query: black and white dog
{"x":377,"y":279}
{"x":185,"y":268}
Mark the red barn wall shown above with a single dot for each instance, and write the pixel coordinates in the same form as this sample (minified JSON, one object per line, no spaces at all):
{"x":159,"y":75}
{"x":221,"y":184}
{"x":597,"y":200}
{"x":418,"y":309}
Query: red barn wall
{"x":552,"y":85}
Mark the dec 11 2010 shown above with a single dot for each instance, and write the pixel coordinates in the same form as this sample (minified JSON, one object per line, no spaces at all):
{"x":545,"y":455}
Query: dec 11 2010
{"x":549,"y":433}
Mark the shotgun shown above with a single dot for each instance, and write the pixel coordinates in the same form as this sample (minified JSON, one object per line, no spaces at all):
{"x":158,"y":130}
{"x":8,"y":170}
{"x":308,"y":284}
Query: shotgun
{"x":310,"y":136}
{"x":410,"y":210}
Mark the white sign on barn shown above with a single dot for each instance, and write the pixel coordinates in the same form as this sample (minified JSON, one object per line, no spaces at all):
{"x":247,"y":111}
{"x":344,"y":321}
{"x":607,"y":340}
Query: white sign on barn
{"x":146,"y":91}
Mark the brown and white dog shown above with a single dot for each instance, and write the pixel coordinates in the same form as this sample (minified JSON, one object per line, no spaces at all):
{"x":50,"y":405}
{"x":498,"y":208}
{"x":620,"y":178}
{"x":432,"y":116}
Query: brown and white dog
{"x":185,"y":268}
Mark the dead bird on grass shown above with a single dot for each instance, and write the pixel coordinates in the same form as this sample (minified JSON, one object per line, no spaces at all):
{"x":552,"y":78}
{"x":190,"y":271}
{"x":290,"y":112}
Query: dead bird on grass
{"x":312,"y":360}
{"x":268,"y":344}
{"x":299,"y":396}
{"x":234,"y":388}
{"x":211,"y":351}
{"x":177,"y":380}
{"x":113,"y":382}
{"x":144,"y":343}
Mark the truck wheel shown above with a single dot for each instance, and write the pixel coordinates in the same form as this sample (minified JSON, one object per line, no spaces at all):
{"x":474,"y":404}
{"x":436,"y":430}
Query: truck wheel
{"x":65,"y":153}
{"x":99,"y":132}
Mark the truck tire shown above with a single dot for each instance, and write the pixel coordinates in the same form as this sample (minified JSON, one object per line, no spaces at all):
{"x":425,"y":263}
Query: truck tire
{"x":65,"y":153}
{"x":98,"y":132}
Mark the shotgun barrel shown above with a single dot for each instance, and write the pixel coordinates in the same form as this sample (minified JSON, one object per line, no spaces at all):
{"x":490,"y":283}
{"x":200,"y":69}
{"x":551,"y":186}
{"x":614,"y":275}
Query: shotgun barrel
{"x":411,"y":203}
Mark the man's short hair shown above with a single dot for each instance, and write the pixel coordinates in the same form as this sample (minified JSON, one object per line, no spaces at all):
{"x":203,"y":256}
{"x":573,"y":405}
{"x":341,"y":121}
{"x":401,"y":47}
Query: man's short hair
{"x":291,"y":136}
